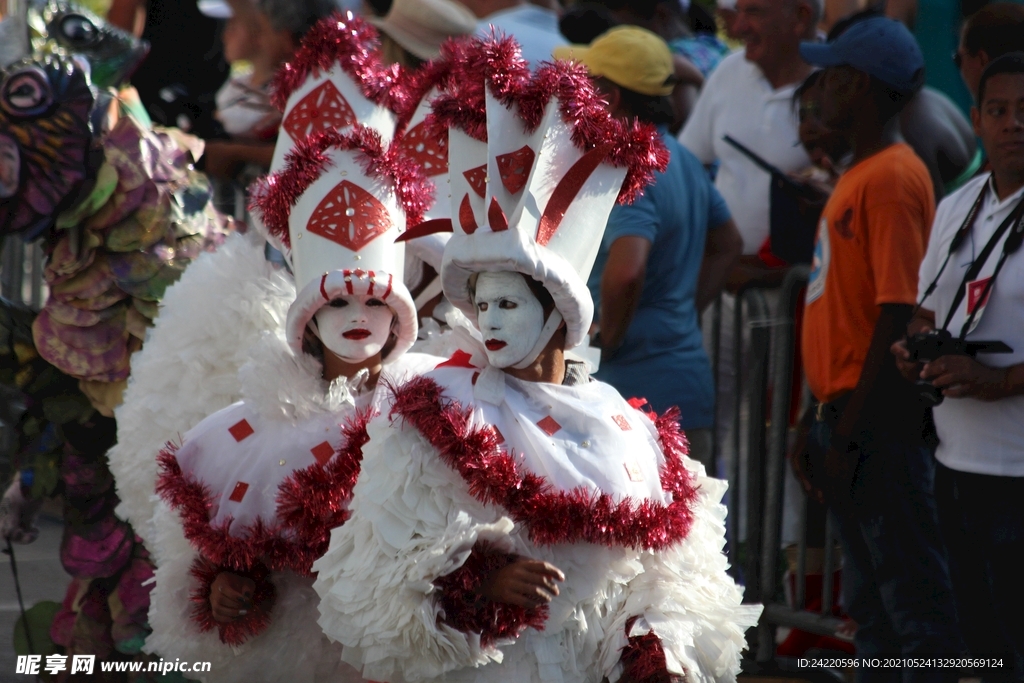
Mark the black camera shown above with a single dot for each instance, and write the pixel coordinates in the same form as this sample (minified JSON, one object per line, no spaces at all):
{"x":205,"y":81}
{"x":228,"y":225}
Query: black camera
{"x":928,"y":346}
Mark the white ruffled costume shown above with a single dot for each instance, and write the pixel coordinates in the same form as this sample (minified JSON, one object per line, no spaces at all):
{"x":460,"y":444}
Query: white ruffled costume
{"x":472,"y":465}
{"x":291,"y":413}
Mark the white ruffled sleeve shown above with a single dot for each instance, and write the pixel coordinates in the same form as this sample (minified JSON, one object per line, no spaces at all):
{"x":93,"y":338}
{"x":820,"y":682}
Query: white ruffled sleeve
{"x":684,"y":613}
{"x":413,"y":522}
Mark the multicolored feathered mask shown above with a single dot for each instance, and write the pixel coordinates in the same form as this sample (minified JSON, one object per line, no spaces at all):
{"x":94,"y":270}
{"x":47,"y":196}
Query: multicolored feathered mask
{"x":66,"y":28}
{"x":44,"y":141}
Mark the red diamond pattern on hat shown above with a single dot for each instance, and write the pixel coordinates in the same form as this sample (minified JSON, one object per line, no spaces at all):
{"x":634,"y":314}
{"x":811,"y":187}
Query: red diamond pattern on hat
{"x":322,"y":452}
{"x":622,"y":422}
{"x":323,"y":108}
{"x":349,"y":216}
{"x":428,"y":151}
{"x":549,"y":426}
{"x":238,"y":493}
{"x":514,"y":168}
{"x":477,"y":179}
{"x":241,"y":430}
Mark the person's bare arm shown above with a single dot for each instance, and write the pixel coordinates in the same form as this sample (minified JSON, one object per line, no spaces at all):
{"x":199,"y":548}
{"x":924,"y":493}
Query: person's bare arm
{"x":524,"y":582}
{"x":722,"y":250}
{"x":621,"y":284}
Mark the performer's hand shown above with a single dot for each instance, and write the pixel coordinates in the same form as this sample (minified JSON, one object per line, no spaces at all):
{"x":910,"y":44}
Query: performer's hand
{"x":524,"y":583}
{"x":231,"y":596}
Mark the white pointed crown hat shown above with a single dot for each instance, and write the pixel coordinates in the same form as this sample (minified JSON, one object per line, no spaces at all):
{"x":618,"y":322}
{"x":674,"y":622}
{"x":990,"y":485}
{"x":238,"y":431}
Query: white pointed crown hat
{"x":338,"y":205}
{"x":334,"y":81}
{"x":535,"y":166}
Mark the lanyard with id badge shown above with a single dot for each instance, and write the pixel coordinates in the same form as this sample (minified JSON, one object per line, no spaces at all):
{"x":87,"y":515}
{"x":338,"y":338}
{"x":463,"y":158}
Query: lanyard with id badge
{"x":928,"y":346}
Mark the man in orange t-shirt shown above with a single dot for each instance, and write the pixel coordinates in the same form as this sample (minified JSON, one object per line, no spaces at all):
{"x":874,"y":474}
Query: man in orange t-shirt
{"x":878,"y":470}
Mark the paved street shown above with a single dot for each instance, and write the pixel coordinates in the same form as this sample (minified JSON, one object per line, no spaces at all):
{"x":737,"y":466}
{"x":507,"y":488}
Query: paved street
{"x":42,"y":578}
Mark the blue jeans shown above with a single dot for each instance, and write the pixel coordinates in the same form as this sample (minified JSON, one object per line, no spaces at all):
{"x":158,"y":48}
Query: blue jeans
{"x":896,"y":582}
{"x":982,"y":520}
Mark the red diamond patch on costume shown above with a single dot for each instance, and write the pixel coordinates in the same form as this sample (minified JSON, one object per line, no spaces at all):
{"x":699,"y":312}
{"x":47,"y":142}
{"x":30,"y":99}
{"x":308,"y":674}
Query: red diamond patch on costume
{"x":477,"y":179}
{"x":238,"y":493}
{"x":634,"y":472}
{"x":514,"y":168}
{"x":549,"y":425}
{"x":430,"y":152}
{"x":324,"y":108}
{"x":459,"y":359}
{"x":241,"y":430}
{"x":622,"y":422}
{"x":349,"y":216}
{"x":322,"y":452}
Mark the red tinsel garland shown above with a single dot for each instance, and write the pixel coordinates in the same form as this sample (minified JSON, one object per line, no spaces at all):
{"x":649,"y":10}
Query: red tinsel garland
{"x":643,"y":659}
{"x":312,"y":500}
{"x":275,"y":195}
{"x":550,"y":516}
{"x":255,"y":543}
{"x":252,"y":624}
{"x":352,"y":43}
{"x":466,"y":611}
{"x":635,"y":145}
{"x":477,"y":64}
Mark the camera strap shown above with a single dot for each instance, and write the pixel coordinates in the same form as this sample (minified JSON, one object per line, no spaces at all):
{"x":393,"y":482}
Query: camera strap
{"x":1012,"y":243}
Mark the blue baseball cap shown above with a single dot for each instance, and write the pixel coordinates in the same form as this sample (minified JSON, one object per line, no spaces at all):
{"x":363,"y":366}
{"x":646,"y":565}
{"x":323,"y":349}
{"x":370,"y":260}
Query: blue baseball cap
{"x":878,"y":46}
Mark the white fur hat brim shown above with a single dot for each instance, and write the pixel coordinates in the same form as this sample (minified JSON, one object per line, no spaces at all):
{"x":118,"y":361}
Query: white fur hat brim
{"x":508,"y":250}
{"x":338,"y":283}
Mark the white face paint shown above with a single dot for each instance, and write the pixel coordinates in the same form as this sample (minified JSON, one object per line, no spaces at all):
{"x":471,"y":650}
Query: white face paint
{"x":509,"y":316}
{"x":354,"y":327}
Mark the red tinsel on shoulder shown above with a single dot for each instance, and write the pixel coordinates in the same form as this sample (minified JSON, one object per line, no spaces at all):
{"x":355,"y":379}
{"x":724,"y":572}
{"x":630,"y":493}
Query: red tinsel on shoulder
{"x":254,"y":544}
{"x":275,"y":195}
{"x":466,"y":611}
{"x":644,"y":659}
{"x":635,"y":145}
{"x":312,"y":501}
{"x":477,"y":64}
{"x":352,"y":43}
{"x":252,"y":624}
{"x":550,"y":516}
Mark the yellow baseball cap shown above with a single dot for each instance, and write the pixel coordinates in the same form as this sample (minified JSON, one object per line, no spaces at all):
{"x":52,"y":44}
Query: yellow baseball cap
{"x":629,"y":56}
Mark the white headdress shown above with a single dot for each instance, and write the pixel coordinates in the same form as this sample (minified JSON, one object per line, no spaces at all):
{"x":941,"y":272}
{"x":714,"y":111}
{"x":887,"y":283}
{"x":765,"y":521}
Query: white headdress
{"x":535,"y":166}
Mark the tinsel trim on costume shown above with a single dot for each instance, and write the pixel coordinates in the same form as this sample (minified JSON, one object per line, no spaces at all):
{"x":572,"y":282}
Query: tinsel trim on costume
{"x":312,"y":501}
{"x":478,"y":63}
{"x":636,"y":146}
{"x":643,"y":659}
{"x":419,"y":82}
{"x":252,"y":624}
{"x":275,"y":195}
{"x":350,"y":42}
{"x":465,"y":610}
{"x":550,"y":516}
{"x":255,"y":543}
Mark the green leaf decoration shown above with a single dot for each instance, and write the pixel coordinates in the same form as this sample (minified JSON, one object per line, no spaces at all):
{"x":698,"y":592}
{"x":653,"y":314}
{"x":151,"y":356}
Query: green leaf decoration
{"x":39,"y":617}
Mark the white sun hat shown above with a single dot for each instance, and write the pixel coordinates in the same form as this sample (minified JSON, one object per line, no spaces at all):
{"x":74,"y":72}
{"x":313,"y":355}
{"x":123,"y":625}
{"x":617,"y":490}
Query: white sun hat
{"x":421,"y":26}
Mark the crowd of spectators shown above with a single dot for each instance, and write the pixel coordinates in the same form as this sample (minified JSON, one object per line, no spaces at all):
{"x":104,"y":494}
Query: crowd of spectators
{"x":915,"y":436}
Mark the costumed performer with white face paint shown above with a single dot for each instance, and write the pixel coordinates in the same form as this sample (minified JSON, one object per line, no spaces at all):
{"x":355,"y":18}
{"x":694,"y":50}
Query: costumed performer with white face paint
{"x":514,"y":520}
{"x":257,"y":486}
{"x":227,"y":299}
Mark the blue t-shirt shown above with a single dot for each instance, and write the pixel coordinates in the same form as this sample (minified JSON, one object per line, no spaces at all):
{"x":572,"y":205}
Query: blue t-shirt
{"x":662,"y":357}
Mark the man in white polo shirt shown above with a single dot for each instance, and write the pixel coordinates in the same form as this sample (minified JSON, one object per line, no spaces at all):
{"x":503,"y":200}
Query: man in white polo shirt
{"x":979,"y":483}
{"x":750,"y":98}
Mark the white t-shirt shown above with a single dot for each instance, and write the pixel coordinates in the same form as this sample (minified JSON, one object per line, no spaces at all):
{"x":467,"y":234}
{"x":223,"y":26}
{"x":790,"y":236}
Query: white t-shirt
{"x":978,"y":436}
{"x":534,"y":28}
{"x":738,"y":101}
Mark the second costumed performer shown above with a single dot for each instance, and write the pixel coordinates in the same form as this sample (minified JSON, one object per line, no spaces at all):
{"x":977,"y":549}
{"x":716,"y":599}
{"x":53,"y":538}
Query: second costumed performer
{"x":515,"y":520}
{"x":259,"y":485}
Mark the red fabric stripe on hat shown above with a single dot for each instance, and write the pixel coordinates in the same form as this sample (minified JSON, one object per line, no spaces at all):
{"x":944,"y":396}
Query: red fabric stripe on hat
{"x":348,"y":281}
{"x":388,"y":292}
{"x":369,"y":290}
{"x":567,"y":190}
{"x":323,"y":287}
{"x":466,"y":218}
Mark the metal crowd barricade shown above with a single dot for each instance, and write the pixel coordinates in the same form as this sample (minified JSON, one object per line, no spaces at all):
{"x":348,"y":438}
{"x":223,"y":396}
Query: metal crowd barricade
{"x":763,"y":393}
